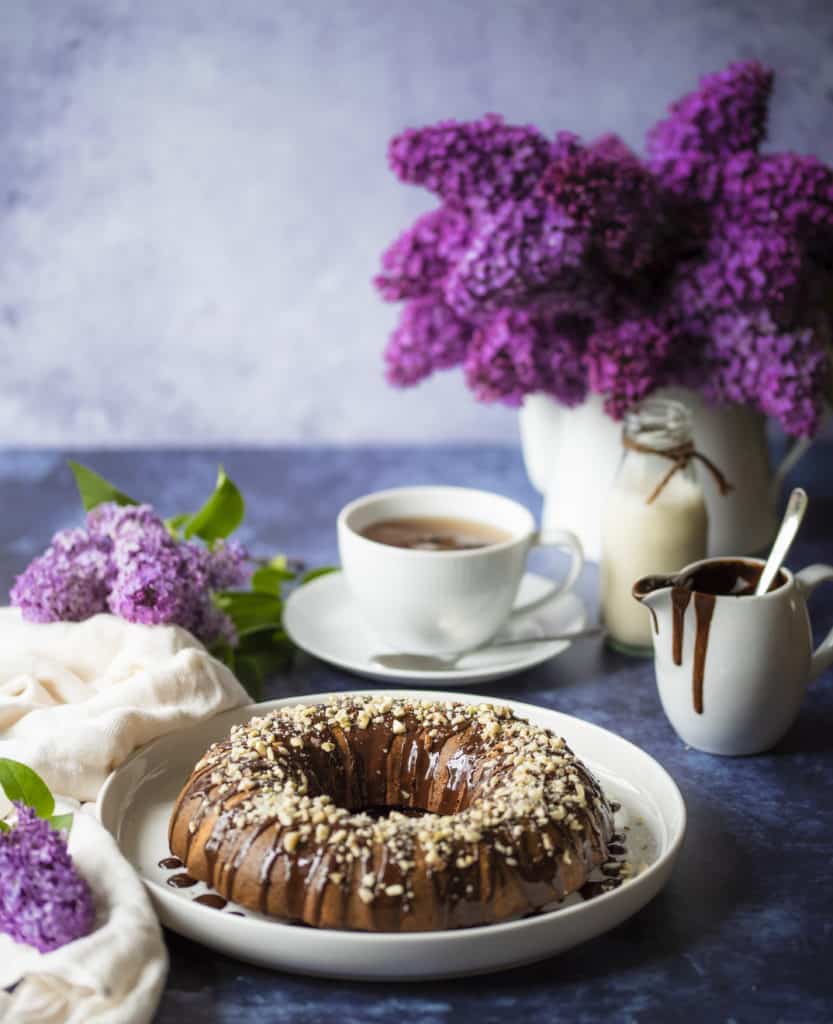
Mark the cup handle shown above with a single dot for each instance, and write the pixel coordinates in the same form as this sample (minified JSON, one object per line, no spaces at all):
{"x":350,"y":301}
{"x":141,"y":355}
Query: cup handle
{"x":555,"y":539}
{"x":808,"y":579}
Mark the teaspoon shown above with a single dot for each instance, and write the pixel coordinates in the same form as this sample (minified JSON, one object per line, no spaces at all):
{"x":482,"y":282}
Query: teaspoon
{"x":794,"y":514}
{"x":437,"y":663}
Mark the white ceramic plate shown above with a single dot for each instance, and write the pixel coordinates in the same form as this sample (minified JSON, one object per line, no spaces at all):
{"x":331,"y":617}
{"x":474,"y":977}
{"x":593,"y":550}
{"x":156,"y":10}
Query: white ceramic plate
{"x":137,"y":799}
{"x":321,"y":618}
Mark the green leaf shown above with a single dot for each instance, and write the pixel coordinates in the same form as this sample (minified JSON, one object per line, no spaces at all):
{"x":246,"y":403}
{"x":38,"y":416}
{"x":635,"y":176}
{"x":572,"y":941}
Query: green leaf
{"x":220,"y":515}
{"x":175,"y":523}
{"x":250,"y":610}
{"x":256,"y":668}
{"x":267,"y":580}
{"x":61,"y":822}
{"x":19,"y":782}
{"x":4,"y":827}
{"x":94,"y":489}
{"x":313,"y":574}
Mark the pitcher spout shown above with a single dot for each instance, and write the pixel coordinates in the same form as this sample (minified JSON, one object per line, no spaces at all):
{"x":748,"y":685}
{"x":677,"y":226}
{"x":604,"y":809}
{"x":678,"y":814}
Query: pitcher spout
{"x":654,"y":592}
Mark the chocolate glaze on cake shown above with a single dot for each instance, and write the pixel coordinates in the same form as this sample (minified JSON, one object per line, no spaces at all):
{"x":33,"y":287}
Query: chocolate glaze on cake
{"x":274,"y":817}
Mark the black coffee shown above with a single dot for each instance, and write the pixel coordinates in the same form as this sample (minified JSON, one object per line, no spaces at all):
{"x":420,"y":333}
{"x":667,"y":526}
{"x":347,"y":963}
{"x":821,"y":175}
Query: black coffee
{"x":434,"y":533}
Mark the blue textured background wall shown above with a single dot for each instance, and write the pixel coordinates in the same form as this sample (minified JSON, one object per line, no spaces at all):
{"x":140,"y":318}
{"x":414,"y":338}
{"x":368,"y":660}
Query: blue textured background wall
{"x":195,"y":192}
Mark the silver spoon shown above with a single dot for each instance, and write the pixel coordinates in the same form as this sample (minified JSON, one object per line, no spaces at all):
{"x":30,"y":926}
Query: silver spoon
{"x":794,"y":514}
{"x":437,"y":663}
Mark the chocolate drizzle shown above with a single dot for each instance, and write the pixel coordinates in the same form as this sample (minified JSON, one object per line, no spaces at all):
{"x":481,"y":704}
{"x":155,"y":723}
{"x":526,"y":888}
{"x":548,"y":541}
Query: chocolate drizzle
{"x":680,"y":597}
{"x":703,"y":609}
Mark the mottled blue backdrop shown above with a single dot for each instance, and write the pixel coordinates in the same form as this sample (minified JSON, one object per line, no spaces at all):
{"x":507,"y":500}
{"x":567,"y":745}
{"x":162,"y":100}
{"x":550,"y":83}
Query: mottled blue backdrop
{"x":195,"y":191}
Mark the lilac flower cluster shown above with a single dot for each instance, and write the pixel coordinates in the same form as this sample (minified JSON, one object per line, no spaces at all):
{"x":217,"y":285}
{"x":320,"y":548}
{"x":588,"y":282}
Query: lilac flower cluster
{"x":44,"y":902}
{"x":562,"y":267}
{"x":626,"y":361}
{"x":480,"y":163}
{"x":517,"y":349}
{"x":126,"y":562}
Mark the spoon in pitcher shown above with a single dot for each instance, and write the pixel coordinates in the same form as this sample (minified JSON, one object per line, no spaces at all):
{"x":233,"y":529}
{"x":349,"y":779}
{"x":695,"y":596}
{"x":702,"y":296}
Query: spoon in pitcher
{"x":437,"y":663}
{"x":793,"y":516}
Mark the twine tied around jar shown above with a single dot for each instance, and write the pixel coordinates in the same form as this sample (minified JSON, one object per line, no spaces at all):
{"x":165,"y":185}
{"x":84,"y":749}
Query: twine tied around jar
{"x":680,"y":456}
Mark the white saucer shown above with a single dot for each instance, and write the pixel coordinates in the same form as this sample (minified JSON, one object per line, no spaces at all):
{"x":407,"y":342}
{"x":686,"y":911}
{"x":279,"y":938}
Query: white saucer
{"x":136,"y":801}
{"x":321,"y":619}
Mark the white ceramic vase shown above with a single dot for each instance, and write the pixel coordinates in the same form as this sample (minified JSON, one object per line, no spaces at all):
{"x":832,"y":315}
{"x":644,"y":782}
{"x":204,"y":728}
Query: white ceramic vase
{"x":572,"y":455}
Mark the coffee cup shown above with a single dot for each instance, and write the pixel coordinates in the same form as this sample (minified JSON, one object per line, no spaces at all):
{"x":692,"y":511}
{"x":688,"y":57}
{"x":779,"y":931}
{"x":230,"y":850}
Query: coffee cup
{"x":443,"y":601}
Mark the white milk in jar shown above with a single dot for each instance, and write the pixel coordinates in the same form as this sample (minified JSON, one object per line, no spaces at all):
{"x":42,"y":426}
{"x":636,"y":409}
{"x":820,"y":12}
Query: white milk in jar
{"x":654,"y":520}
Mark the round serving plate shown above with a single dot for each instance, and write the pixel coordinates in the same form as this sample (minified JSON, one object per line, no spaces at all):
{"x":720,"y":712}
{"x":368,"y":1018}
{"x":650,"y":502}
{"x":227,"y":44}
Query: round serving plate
{"x":136,"y":801}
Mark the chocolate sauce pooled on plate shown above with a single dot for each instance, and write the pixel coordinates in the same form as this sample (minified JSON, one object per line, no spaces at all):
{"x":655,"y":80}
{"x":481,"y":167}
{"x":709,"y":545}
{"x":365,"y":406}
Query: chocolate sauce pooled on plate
{"x":729,"y":577}
{"x":170,"y":863}
{"x":181,"y":881}
{"x":211,"y":899}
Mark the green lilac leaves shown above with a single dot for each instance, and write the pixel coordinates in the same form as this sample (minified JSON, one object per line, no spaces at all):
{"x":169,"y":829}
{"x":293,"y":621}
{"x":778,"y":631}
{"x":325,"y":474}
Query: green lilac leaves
{"x":250,"y":610}
{"x":95,"y":490}
{"x":220,"y":515}
{"x":23,"y":785}
{"x":218,"y":518}
{"x":20,"y":783}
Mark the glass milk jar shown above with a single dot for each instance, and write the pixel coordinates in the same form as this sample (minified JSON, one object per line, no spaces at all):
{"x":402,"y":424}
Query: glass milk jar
{"x":654,"y":519}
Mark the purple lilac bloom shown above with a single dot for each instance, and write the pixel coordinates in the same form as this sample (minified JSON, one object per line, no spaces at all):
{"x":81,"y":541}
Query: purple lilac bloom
{"x":725,"y":114}
{"x":783,"y":191}
{"x":125,"y":524}
{"x":69,"y":582}
{"x":127,"y":562}
{"x":782,"y":373}
{"x":625,"y":363}
{"x":517,"y":353}
{"x":605,"y":189}
{"x":741,"y":269}
{"x":228,"y":565}
{"x":525,"y":249}
{"x":480,"y":163}
{"x":419,"y":259}
{"x":157,"y":581}
{"x":429,"y":337}
{"x":665,"y":263}
{"x":594,"y":207}
{"x":44,"y":902}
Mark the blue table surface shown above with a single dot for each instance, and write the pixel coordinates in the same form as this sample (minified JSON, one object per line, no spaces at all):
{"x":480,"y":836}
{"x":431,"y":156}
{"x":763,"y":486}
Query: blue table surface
{"x":743,"y":931}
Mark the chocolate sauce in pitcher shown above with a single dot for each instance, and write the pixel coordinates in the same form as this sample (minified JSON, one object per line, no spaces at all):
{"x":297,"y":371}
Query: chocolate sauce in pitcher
{"x":727,"y":577}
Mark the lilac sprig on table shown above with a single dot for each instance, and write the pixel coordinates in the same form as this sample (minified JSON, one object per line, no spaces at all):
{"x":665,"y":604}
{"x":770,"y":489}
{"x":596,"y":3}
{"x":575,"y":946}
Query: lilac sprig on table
{"x":184,"y":571}
{"x":705,"y":265}
{"x":44,"y":901}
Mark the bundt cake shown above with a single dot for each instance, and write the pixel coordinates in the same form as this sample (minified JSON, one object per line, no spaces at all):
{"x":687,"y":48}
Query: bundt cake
{"x":381,"y":813}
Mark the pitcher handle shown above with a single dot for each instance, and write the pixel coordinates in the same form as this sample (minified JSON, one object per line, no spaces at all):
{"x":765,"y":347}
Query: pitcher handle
{"x":795,"y":452}
{"x":808,"y":579}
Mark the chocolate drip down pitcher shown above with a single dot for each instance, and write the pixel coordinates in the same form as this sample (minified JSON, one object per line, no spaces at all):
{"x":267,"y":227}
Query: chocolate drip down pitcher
{"x":732,"y":667}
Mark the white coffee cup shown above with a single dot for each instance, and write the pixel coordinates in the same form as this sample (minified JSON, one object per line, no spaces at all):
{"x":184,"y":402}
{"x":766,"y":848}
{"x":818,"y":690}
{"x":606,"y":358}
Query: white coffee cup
{"x":756,"y":653}
{"x":443,"y":602}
